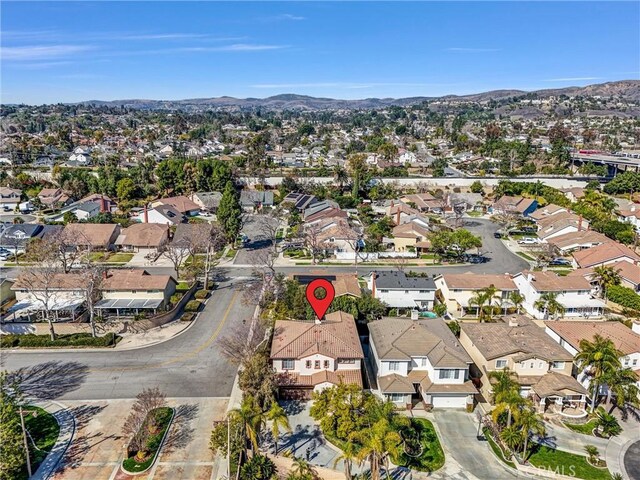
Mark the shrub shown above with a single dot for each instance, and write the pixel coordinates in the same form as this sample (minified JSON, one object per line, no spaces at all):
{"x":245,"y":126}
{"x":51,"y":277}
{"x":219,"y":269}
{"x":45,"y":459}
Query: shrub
{"x":192,"y":306}
{"x":201,"y":294}
{"x":624,"y":296}
{"x":182,"y":287}
{"x":73,"y":340}
{"x":187,"y":316}
{"x":176,"y":297}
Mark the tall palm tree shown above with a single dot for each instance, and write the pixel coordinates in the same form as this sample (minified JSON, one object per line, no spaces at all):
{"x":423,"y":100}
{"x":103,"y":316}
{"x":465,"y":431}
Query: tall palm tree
{"x":511,"y":436}
{"x":348,"y":456}
{"x":622,"y":388}
{"x":509,"y":401}
{"x":278,"y":418}
{"x":484,"y":299}
{"x":340,"y":176}
{"x":504,"y":384}
{"x":548,"y":303}
{"x":302,"y":469}
{"x":479,"y":299}
{"x":251,"y":418}
{"x":529,"y":422}
{"x":601,"y":357}
{"x":378,"y":442}
{"x":606,"y":276}
{"x":517,"y":299}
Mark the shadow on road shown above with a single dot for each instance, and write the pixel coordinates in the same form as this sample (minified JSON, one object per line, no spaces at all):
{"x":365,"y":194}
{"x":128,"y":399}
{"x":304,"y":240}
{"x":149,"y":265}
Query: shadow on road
{"x":181,"y":432}
{"x":83,"y":443}
{"x":50,"y":380}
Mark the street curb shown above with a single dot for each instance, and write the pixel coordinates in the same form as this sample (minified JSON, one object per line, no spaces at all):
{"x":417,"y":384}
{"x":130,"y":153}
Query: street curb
{"x":55,"y":466}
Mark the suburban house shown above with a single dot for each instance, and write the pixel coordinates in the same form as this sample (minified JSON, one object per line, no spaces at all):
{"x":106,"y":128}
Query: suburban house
{"x":574,"y":293}
{"x":410,"y":236}
{"x":255,"y":200}
{"x":53,"y":198}
{"x":572,"y":241}
{"x":507,"y":205}
{"x":569,"y":334}
{"x":92,"y":236}
{"x":311,"y":356}
{"x":9,"y":198}
{"x":457,"y":291}
{"x":162,"y":214}
{"x":344,"y":284}
{"x":629,"y":275}
{"x":85,"y":208}
{"x":630,"y":215}
{"x":62,"y":294}
{"x":419,"y":362}
{"x":130,"y":292}
{"x":604,"y":254}
{"x":80,"y":156}
{"x":207,"y":201}
{"x":180,"y":203}
{"x":15,"y":237}
{"x":143,"y":237}
{"x":462,"y":202}
{"x":398,"y":290}
{"x":574,"y":194}
{"x":420,"y":201}
{"x":340,"y":238}
{"x":300,"y":201}
{"x":560,"y":224}
{"x":542,"y":368}
{"x":400,"y":211}
{"x":547,"y":211}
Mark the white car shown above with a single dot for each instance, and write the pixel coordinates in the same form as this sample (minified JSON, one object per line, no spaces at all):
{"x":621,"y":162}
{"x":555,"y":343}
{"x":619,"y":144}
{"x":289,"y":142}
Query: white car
{"x":528,"y":241}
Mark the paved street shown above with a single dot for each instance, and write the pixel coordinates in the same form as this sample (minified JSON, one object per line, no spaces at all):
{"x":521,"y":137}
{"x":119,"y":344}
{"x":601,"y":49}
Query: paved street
{"x":189,"y":365}
{"x":632,"y":461}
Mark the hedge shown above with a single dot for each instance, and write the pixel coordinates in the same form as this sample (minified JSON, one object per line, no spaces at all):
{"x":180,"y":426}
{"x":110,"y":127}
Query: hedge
{"x":72,"y":340}
{"x":192,"y":306}
{"x":201,"y":294}
{"x":624,"y":296}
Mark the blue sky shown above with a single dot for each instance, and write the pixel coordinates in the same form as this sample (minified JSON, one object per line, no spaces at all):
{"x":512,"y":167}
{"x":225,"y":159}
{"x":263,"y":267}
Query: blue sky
{"x":72,"y":51}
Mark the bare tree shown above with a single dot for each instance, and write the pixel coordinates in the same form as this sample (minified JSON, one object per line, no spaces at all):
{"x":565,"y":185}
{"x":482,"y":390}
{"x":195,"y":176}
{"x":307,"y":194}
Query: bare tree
{"x":207,"y":239}
{"x":176,"y":253}
{"x":92,"y":276}
{"x":135,"y":428}
{"x":66,"y":245}
{"x":267,"y":228}
{"x":237,"y":346}
{"x":312,"y":240}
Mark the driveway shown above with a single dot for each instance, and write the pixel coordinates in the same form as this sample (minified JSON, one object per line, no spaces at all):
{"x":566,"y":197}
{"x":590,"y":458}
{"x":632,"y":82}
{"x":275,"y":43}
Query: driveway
{"x":258,"y":240}
{"x":632,"y":461}
{"x":98,"y":446}
{"x":458,"y":434}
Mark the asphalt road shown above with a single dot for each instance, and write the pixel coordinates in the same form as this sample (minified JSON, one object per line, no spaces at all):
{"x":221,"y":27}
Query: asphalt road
{"x":189,"y":365}
{"x":632,"y":461}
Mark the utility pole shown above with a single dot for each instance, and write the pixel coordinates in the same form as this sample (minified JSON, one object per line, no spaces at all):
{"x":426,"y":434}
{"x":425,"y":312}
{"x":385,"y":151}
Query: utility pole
{"x":26,"y":445}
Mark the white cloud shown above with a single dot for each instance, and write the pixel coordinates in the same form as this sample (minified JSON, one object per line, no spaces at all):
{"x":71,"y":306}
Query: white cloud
{"x":571,"y":79}
{"x":41,"y":52}
{"x":472,"y":49}
{"x":41,"y":65}
{"x":241,"y":47}
{"x":283,"y":17}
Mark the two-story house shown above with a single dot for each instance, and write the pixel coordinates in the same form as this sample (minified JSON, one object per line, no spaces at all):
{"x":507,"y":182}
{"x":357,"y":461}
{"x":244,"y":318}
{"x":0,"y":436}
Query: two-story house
{"x":457,"y":290}
{"x":311,"y":356}
{"x":9,"y":198}
{"x":419,"y":362}
{"x":574,"y":293}
{"x":542,"y":368}
{"x":398,"y":290}
{"x":130,"y":292}
{"x":604,"y":254}
{"x":569,"y":334}
{"x":410,"y":236}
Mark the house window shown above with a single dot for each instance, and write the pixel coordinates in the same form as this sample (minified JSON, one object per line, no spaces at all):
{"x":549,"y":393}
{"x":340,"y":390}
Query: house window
{"x":539,"y":364}
{"x":288,"y":364}
{"x":396,"y":397}
{"x":457,"y":290}
{"x":424,"y":291}
{"x":448,"y":374}
{"x":346,"y":360}
{"x":626,"y":361}
{"x":522,"y":364}
{"x":406,"y":291}
{"x":326,"y":364}
{"x":394,"y":366}
{"x":531,"y":365}
{"x":423,"y":362}
{"x":635,"y":362}
{"x":307,"y":364}
{"x":501,"y":363}
{"x":557,"y":365}
{"x":384,"y":291}
{"x":316,"y":364}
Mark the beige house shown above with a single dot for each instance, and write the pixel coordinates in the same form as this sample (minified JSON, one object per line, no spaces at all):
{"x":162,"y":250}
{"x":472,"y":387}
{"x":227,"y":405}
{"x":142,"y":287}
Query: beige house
{"x":540,"y":365}
{"x":604,"y":254}
{"x":141,"y":237}
{"x":410,"y":236}
{"x":93,"y":236}
{"x":456,"y":291}
{"x":311,"y":356}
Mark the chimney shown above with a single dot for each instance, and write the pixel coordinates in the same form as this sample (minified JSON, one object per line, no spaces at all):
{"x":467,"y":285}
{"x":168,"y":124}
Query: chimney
{"x":146,"y":214}
{"x":580,"y":223}
{"x":530,"y":278}
{"x":373,"y":283}
{"x":318,"y":321}
{"x":513,"y":322}
{"x":103,"y":207}
{"x":398,"y":217}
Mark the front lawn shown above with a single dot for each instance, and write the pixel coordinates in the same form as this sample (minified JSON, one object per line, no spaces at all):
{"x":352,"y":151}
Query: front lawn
{"x":110,"y":257}
{"x":585,"y":428}
{"x":525,"y":256}
{"x":231,"y":253}
{"x":567,"y":464}
{"x":431,"y":457}
{"x":120,"y":257}
{"x":44,"y":430}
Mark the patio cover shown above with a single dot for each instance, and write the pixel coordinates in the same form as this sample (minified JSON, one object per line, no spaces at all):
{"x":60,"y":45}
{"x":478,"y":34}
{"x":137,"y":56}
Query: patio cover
{"x":128,"y":303}
{"x":60,"y":302}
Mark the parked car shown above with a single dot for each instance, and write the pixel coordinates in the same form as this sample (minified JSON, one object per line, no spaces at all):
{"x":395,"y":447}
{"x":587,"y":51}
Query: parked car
{"x":497,"y":235}
{"x":528,"y":241}
{"x":476,"y":258}
{"x":560,"y":262}
{"x":5,"y":256}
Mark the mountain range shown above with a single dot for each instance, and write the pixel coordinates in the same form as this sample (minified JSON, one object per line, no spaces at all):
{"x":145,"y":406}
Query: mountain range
{"x":625,"y":89}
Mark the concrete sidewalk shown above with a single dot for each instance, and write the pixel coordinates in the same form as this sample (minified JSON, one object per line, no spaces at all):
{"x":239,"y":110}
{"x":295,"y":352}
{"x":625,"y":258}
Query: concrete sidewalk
{"x":67,"y":424}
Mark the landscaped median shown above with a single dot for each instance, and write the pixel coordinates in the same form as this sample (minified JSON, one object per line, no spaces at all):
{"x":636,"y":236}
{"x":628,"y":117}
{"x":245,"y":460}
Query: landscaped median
{"x":75,"y":340}
{"x":144,"y":447}
{"x":43,"y":431}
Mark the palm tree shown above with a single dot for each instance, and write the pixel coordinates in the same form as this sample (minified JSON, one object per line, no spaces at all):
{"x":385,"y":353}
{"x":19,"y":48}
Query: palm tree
{"x":479,"y":299}
{"x":303,"y":470}
{"x":607,"y":423}
{"x":606,"y":276}
{"x":505,"y":383}
{"x":517,"y":299}
{"x":592,"y":452}
{"x":278,"y":418}
{"x":349,"y":454}
{"x":259,"y":467}
{"x":602,"y":357}
{"x":509,"y":401}
{"x":484,"y":299}
{"x":251,"y":418}
{"x":622,"y":386}
{"x":511,"y":437}
{"x":378,"y":442}
{"x":549,"y":304}
{"x":340,"y":176}
{"x":529,"y":423}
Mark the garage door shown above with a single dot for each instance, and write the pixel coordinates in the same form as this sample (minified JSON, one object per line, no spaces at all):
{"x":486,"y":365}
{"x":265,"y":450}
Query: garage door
{"x":296,"y":393}
{"x":449,"y":401}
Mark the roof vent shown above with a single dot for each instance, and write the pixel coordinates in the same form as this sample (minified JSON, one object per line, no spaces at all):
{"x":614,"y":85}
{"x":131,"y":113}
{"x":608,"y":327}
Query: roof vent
{"x":513,"y":322}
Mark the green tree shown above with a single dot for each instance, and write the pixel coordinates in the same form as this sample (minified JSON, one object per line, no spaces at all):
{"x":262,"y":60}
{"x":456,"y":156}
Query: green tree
{"x":259,"y":467}
{"x":69,"y":217}
{"x":13,"y":458}
{"x":607,"y":424}
{"x":601,"y":357}
{"x":512,"y":437}
{"x":252,"y":420}
{"x":516,"y":299}
{"x":476,"y":187}
{"x":379,"y":442}
{"x":529,"y":422}
{"x":279,"y":420}
{"x":592,"y":452}
{"x":348,"y":456}
{"x":486,"y":299}
{"x":302,"y":470}
{"x":606,"y":276}
{"x":548,"y":304}
{"x":230,"y":213}
{"x":622,"y":389}
{"x":126,"y":189}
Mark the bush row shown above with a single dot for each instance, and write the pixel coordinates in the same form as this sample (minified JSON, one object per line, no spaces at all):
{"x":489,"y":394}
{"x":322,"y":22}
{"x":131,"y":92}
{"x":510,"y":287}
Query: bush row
{"x":192,"y":306}
{"x":624,"y":296}
{"x":73,"y":340}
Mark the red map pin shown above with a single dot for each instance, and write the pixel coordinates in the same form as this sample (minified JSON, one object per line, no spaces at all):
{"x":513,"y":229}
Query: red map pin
{"x":320,"y":305}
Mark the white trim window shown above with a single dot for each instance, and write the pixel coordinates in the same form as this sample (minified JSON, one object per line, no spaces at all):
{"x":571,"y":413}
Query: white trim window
{"x":288,"y":364}
{"x":448,"y":374}
{"x":557,"y":365}
{"x":395,"y":397}
{"x":501,"y":363}
{"x":394,"y":366}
